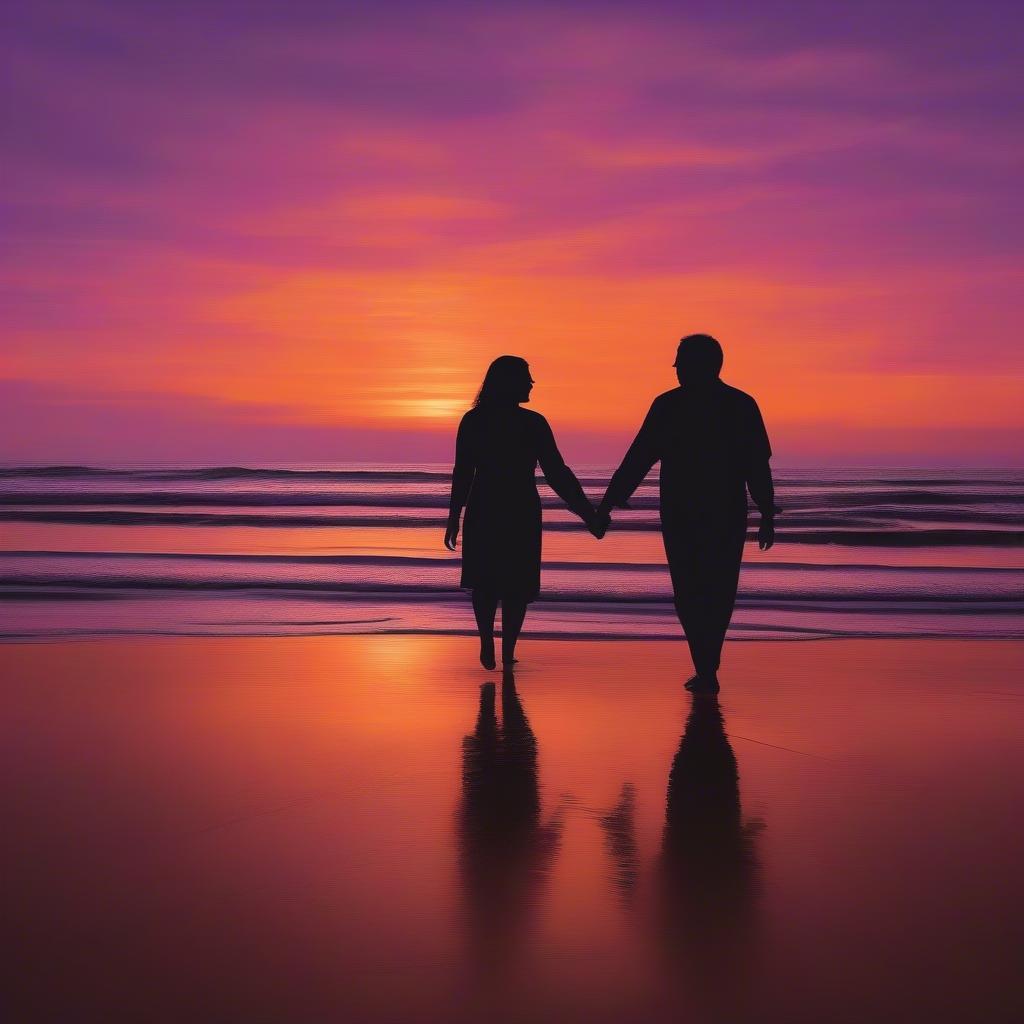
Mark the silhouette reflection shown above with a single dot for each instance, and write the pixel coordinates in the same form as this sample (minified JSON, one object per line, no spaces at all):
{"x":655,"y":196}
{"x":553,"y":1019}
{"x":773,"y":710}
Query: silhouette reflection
{"x":505,"y":851}
{"x":708,"y":866}
{"x":619,"y":828}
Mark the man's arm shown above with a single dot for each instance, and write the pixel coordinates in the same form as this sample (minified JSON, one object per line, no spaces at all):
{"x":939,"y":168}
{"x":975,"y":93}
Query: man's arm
{"x":759,"y":478}
{"x":643,"y":453}
{"x":762,"y":490}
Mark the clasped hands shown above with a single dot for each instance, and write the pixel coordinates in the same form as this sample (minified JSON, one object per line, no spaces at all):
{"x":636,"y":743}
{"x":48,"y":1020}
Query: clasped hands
{"x":597,"y":520}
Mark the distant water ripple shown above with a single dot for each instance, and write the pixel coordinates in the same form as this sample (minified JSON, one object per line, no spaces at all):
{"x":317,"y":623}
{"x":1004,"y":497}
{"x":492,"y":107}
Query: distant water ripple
{"x":95,"y":550}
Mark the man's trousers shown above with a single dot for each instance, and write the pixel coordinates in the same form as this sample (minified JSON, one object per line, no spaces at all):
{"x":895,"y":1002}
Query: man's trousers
{"x":704,"y":561}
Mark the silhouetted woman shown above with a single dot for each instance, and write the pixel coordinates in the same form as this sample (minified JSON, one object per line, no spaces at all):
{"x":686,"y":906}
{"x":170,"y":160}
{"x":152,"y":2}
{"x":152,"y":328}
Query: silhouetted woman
{"x":505,"y":850}
{"x":498,"y":448}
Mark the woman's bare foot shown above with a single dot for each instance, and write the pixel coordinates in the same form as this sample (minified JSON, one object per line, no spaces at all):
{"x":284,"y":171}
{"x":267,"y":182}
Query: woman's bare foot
{"x":487,"y":653}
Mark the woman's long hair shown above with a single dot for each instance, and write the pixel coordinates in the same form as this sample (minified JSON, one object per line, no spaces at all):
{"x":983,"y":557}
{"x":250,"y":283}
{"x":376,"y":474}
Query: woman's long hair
{"x":503,"y":381}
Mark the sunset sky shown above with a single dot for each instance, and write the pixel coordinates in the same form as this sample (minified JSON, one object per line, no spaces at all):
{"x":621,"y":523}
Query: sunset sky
{"x":298,"y":232}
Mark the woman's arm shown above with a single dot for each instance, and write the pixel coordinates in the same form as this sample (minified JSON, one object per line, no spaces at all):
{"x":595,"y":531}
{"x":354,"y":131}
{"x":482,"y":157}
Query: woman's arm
{"x":463,"y":473}
{"x":561,"y":479}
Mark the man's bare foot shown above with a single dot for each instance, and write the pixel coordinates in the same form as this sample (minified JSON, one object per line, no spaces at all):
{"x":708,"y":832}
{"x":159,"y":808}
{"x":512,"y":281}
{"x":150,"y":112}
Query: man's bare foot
{"x":703,"y":684}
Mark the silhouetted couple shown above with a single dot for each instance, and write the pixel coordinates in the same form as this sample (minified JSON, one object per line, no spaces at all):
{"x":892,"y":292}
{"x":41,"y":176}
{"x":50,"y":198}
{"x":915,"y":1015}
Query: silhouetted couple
{"x":713,"y":448}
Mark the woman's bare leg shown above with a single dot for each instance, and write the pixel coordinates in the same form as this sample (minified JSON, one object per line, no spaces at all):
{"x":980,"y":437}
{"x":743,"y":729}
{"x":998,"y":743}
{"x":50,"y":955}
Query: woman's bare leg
{"x":485,"y":606}
{"x":512,"y":615}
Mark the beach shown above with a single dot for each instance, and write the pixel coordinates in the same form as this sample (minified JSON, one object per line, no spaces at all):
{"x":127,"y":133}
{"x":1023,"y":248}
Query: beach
{"x":297,"y":829}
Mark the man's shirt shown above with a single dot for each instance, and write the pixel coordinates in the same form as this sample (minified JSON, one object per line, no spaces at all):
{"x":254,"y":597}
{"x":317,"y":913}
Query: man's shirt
{"x":712,"y":444}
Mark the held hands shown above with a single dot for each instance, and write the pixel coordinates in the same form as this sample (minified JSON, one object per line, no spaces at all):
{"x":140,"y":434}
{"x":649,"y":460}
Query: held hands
{"x":598,"y":520}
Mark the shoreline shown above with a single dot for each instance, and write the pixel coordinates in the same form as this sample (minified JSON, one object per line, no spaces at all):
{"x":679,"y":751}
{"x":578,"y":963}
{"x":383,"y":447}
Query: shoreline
{"x":623,"y":638}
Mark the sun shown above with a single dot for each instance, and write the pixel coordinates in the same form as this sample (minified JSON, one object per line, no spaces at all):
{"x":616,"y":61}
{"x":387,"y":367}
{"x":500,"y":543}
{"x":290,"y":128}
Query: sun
{"x":429,"y":408}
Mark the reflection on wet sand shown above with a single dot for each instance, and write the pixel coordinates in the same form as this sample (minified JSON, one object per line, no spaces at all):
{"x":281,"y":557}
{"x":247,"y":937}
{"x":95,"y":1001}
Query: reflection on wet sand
{"x":276,"y":830}
{"x":707,"y":877}
{"x":619,"y":827}
{"x":506,"y":852}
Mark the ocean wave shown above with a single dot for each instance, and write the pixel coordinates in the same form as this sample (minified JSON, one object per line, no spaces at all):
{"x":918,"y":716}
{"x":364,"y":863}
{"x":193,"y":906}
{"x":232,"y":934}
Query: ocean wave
{"x":1006,"y":478}
{"x":904,"y":505}
{"x":217,"y":473}
{"x":831,"y":569}
{"x":752,"y":595}
{"x":294,"y":583}
{"x":872,"y":535}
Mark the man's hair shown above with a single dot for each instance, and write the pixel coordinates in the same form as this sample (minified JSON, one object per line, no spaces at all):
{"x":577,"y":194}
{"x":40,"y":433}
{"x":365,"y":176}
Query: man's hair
{"x":699,"y":355}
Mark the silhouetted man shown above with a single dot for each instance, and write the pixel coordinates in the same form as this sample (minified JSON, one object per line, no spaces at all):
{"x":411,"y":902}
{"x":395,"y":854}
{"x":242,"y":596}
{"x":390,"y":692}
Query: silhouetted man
{"x":713,"y":447}
{"x":707,"y":877}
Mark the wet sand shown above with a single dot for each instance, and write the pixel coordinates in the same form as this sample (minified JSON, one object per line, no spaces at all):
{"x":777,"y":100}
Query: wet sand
{"x":362,"y":829}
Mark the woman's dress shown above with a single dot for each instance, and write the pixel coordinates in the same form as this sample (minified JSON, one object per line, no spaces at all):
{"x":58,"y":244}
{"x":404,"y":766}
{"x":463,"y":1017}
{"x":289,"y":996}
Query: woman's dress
{"x":496,"y":456}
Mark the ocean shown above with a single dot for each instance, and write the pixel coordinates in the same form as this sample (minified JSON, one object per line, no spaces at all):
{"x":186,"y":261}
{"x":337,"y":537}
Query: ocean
{"x":93,"y":551}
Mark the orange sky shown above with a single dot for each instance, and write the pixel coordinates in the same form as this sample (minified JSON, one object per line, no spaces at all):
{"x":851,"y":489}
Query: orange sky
{"x":306,"y":240}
